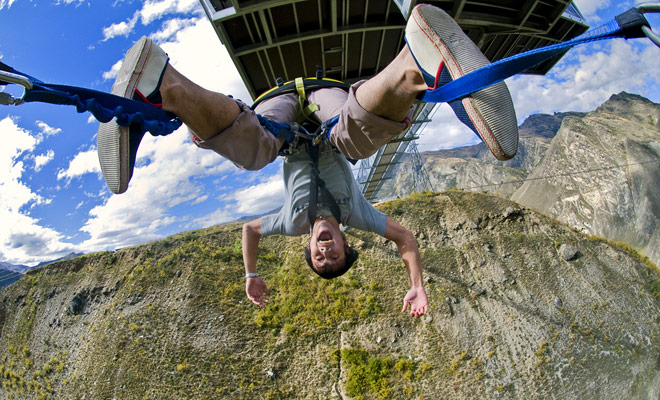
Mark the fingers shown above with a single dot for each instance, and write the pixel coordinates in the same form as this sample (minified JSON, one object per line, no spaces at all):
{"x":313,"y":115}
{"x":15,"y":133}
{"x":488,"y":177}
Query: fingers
{"x":415,"y":310}
{"x":256,"y":290}
{"x":258,"y":300}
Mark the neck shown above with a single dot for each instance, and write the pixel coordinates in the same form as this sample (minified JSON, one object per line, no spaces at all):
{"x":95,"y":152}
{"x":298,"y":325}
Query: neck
{"x":328,"y":218}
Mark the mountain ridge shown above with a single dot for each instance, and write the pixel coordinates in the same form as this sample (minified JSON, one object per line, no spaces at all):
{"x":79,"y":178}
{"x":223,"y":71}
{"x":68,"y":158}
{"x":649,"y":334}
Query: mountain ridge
{"x":521,"y":306}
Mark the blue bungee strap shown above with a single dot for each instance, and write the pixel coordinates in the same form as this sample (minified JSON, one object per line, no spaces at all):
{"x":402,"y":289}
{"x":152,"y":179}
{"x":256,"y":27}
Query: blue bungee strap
{"x":278,"y":129}
{"x":103,"y":106}
{"x":631,"y":24}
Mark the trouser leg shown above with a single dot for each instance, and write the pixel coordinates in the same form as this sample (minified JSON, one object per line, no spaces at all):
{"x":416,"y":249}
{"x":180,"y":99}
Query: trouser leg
{"x":246,"y":143}
{"x":358,"y":134}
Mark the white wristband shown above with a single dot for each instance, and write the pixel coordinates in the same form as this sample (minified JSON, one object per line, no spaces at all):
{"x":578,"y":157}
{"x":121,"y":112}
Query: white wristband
{"x":251,"y":275}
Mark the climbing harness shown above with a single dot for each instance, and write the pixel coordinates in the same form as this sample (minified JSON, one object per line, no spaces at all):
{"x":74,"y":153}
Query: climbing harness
{"x":300,"y":86}
{"x":103,"y":106}
{"x":307,"y":127}
{"x":629,"y":25}
{"x":307,"y":131}
{"x":296,"y":134}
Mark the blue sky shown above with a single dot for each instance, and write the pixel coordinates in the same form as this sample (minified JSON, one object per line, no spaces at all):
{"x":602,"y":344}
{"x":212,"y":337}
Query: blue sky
{"x":52,"y":196}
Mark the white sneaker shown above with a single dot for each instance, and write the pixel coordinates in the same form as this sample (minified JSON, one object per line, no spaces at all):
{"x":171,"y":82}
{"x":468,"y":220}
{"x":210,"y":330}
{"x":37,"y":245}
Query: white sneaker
{"x":138,"y":79}
{"x":444,"y":53}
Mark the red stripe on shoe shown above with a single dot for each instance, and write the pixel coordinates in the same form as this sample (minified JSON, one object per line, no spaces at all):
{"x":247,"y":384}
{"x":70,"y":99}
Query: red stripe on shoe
{"x":144,"y":99}
{"x":437,"y":75}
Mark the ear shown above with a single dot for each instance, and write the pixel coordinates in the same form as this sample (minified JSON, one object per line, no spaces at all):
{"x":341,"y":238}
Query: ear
{"x":346,"y":246}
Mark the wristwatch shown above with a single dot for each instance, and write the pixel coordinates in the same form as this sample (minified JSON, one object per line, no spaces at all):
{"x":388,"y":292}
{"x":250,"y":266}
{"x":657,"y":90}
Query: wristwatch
{"x":251,"y":275}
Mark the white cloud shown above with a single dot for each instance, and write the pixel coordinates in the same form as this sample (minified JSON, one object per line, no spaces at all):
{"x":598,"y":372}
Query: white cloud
{"x":76,"y":2}
{"x":214,"y":70}
{"x":22,"y":238}
{"x":586,"y":77}
{"x":258,"y":198}
{"x":43,"y":159}
{"x":17,"y":141}
{"x":200,"y":200}
{"x":171,"y":27}
{"x":219,"y":216}
{"x":183,"y":40}
{"x":123,"y":28}
{"x":82,"y":163}
{"x":47,"y":130}
{"x":6,"y":3}
{"x":590,"y":7}
{"x":445,"y":131}
{"x":114,"y":70}
{"x":164,"y":178}
{"x":155,"y":9}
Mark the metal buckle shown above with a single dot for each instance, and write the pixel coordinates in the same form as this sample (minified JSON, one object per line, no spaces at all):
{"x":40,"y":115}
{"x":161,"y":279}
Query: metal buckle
{"x":650,"y":8}
{"x":6,"y":98}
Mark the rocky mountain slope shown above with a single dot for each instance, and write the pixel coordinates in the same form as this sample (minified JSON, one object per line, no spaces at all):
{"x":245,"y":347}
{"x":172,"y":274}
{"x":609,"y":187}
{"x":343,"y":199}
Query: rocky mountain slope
{"x":596,"y":171}
{"x":601,"y":174}
{"x":474,"y":168}
{"x":522,"y":306}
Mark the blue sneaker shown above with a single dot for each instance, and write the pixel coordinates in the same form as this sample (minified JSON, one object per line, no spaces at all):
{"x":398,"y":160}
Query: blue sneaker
{"x":139,"y":79}
{"x":443,"y":53}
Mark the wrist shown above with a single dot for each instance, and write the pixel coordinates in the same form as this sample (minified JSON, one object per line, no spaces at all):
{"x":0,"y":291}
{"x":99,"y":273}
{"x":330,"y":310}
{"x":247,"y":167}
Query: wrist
{"x":251,"y":275}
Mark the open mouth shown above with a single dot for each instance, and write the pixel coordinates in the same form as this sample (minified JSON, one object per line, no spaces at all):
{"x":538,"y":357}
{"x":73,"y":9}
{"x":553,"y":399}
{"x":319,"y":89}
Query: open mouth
{"x":324,"y":237}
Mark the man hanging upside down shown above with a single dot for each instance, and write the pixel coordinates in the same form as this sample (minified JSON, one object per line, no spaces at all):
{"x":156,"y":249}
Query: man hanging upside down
{"x":369,"y":115}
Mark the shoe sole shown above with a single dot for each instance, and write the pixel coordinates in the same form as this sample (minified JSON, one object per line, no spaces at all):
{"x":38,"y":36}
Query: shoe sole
{"x":489,"y":111}
{"x":112,"y":140}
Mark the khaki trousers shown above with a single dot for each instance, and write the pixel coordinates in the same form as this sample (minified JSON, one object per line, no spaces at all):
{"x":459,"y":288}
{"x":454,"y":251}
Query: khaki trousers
{"x":358,"y":134}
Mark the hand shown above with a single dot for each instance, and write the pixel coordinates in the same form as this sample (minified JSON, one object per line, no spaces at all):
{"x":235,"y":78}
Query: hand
{"x":416,"y":299}
{"x":255,"y":288}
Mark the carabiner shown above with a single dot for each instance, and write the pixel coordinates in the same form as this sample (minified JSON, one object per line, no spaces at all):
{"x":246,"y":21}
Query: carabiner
{"x":650,"y":8}
{"x":6,"y":98}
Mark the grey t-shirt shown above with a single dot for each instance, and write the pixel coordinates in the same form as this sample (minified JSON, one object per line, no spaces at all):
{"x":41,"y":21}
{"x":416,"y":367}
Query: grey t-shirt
{"x":356,"y":211}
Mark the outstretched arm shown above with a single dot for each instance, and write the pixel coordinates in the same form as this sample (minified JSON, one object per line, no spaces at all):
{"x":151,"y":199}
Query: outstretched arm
{"x":255,"y":288}
{"x":405,"y":241}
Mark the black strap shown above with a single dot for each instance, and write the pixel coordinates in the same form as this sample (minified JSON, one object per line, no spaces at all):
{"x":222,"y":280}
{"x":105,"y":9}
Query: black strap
{"x":315,"y":183}
{"x":631,"y":23}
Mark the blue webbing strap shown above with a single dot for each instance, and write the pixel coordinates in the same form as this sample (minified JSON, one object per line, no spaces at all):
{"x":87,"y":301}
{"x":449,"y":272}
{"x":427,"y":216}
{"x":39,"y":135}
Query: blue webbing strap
{"x":278,"y":129}
{"x":627,"y":25}
{"x":103,"y":106}
{"x":292,"y":133}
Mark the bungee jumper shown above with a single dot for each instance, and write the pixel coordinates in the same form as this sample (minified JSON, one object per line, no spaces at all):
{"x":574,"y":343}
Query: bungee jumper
{"x":317,"y":124}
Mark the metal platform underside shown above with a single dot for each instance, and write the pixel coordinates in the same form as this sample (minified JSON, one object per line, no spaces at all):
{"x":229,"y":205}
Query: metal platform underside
{"x":355,"y":39}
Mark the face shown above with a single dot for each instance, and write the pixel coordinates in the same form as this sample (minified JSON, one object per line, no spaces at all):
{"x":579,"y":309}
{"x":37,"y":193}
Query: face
{"x":327,"y":246}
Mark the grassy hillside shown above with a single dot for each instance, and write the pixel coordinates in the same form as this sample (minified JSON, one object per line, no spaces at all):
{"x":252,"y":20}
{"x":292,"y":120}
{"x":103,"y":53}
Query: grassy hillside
{"x":512,"y":315}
